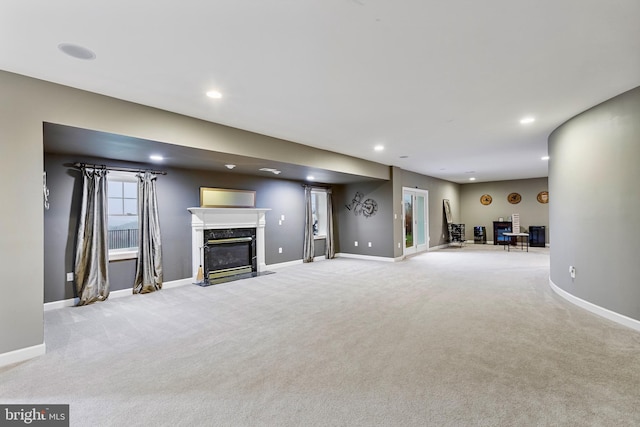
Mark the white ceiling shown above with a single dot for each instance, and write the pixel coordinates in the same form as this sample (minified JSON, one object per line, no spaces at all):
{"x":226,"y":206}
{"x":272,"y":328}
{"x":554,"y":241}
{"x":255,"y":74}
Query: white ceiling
{"x":442,"y":82}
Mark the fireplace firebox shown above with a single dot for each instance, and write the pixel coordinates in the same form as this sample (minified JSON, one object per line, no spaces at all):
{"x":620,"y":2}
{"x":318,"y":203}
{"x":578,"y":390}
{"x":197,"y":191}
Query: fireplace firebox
{"x":229,"y":252}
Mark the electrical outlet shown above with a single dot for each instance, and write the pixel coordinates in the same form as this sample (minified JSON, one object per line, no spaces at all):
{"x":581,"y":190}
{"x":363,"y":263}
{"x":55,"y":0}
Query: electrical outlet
{"x":279,"y":250}
{"x":69,"y":277}
{"x":280,"y":222}
{"x":572,"y":271}
{"x":399,"y":245}
{"x":355,"y":243}
{"x":369,"y":244}
{"x":281,"y":217}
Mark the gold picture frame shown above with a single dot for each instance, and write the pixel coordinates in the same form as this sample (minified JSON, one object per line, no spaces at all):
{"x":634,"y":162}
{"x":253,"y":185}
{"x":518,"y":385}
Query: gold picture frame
{"x":226,"y":198}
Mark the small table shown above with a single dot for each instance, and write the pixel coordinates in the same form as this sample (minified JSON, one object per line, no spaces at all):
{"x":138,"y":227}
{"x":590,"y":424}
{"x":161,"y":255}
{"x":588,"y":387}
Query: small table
{"x":525,"y":238}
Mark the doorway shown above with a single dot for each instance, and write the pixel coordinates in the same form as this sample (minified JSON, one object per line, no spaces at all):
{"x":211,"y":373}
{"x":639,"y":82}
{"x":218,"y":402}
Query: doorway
{"x":415,"y":220}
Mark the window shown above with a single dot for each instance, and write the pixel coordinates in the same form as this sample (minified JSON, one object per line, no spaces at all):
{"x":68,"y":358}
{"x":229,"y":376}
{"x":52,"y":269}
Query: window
{"x":319,"y":211}
{"x":122,"y":218}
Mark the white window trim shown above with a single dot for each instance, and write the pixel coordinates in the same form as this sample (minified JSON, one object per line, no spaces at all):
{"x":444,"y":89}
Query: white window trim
{"x":124,"y":253}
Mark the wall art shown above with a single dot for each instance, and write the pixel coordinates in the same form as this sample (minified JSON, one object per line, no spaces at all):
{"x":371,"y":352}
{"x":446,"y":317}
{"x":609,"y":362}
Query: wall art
{"x":514,"y":198}
{"x":366,"y":208}
{"x":486,"y":199}
{"x":543,"y":197}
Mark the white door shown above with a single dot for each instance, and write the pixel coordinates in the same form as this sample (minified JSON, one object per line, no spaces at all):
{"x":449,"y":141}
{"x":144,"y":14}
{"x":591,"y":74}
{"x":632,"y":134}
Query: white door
{"x":415,"y":216}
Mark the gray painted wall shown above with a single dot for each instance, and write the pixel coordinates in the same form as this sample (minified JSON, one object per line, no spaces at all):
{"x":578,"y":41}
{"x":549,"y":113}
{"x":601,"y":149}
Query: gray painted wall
{"x":375,"y":229}
{"x":595,"y":204}
{"x":21,"y":266}
{"x":177,"y":191}
{"x":531,"y":211}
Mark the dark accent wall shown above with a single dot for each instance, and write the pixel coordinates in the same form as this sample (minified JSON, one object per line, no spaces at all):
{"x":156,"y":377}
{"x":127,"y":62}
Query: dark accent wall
{"x":375,"y":229}
{"x":177,"y":191}
{"x":594,"y":207}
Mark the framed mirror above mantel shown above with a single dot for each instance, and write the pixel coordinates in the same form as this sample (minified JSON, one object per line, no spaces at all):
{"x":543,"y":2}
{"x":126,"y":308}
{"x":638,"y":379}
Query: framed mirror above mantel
{"x":226,"y":198}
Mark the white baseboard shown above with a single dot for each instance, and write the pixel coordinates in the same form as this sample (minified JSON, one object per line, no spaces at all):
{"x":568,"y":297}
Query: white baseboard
{"x":114,"y":294}
{"x":368,"y":257}
{"x":22,"y":354}
{"x":177,"y":283}
{"x":284,"y":264}
{"x":596,"y":309}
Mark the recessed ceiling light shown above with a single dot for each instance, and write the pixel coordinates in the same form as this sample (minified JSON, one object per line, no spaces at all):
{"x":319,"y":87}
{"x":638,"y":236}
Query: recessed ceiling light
{"x":379,"y":147}
{"x":310,"y":178}
{"x":230,"y":166}
{"x":272,"y":170}
{"x":527,"y":120}
{"x":214,"y":94}
{"x":472,"y":179}
{"x":76,"y":51}
{"x":156,"y":157}
{"x":544,"y":158}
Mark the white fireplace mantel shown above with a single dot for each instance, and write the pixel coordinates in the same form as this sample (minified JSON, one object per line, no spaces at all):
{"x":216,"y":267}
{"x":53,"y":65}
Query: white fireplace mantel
{"x":222,"y":218}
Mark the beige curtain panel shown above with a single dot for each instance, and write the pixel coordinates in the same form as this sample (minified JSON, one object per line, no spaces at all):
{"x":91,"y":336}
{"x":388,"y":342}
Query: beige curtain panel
{"x":92,"y":251}
{"x":149,"y":267}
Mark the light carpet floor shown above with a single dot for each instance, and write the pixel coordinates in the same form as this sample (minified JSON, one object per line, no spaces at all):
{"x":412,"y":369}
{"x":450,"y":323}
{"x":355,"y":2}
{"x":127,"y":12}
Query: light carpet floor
{"x":467,"y":336}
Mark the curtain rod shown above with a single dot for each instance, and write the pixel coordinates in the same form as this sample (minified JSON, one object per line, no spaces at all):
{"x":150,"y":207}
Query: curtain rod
{"x":112,"y":168}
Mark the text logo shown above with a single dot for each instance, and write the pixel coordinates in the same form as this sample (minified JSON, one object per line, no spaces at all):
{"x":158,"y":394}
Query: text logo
{"x":34,"y":415}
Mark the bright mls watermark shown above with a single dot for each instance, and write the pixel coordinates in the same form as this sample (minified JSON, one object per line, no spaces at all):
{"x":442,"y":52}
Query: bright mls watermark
{"x":34,"y":415}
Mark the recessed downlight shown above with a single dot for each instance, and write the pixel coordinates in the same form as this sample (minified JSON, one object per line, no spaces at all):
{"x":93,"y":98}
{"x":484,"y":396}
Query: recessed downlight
{"x":156,"y":157}
{"x":214,"y":94}
{"x":230,"y":166}
{"x":544,"y":158}
{"x":472,"y":179}
{"x":76,"y":51}
{"x":272,"y":170}
{"x":379,"y":147}
{"x":310,"y":177}
{"x":527,"y":120}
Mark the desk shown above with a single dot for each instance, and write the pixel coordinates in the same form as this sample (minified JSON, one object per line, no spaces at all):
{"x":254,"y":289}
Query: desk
{"x":525,"y":238}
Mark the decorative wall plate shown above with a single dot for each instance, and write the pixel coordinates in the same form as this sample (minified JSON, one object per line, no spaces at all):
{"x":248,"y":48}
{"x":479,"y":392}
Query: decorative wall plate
{"x":514,"y":198}
{"x":486,"y":199}
{"x":543,"y":197}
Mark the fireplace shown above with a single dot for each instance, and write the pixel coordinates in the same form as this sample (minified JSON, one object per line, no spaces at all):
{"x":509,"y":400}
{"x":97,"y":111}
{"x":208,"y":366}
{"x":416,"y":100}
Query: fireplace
{"x":229,"y":252}
{"x":237,"y":231}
